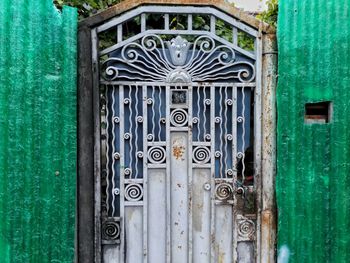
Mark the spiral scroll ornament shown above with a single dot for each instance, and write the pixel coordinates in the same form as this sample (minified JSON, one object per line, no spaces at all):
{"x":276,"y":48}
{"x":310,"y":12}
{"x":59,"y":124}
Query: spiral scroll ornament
{"x":127,"y":172}
{"x":133,"y":192}
{"x":207,"y":137}
{"x":224,"y":192}
{"x":246,"y":229}
{"x":218,"y":120}
{"x":111,"y":231}
{"x":116,"y":120}
{"x":201,"y":155}
{"x":150,"y":137}
{"x":240,"y":119}
{"x":195,"y":120}
{"x":179,"y":118}
{"x":156,"y":155}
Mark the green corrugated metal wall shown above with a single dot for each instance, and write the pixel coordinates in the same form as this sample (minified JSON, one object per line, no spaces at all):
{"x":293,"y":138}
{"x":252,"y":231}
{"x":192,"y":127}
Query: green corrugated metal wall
{"x":313,"y":180}
{"x":37,"y":131}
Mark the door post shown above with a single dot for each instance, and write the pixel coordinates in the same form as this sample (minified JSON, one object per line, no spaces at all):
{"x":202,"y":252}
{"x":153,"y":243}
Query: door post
{"x":269,"y":83}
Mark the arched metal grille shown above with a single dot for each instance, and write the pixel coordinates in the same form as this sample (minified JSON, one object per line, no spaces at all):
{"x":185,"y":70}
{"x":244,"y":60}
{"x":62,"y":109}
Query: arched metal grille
{"x":180,"y":135}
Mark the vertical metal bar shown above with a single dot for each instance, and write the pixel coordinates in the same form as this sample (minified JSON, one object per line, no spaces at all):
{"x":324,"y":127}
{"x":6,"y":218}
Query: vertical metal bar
{"x":198,"y":123}
{"x":113,"y":151}
{"x":212,"y":181}
{"x":153,"y":114}
{"x":168,"y":178}
{"x":121,"y":172}
{"x":166,"y":21}
{"x":107,"y":151}
{"x":190,"y":172}
{"x":235,"y":36}
{"x":120,"y":33}
{"x":225,"y":121}
{"x":143,"y":22}
{"x":258,"y":139}
{"x":145,"y":175}
{"x":205,"y":112}
{"x":137,"y":123}
{"x":97,"y":149}
{"x":234,"y":167}
{"x":234,"y":132}
{"x":221,"y":124}
{"x":213,"y":24}
{"x":234,"y":170}
{"x":190,"y":22}
{"x":130,"y":131}
{"x":160,"y":113}
{"x":243,"y":122}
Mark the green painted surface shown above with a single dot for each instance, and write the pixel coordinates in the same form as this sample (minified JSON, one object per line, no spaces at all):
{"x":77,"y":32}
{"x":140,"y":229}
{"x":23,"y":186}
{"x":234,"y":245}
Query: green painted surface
{"x":313,"y":177}
{"x":37,"y":131}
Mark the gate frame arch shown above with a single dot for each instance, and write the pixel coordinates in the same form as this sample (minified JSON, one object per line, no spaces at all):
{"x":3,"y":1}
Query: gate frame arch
{"x":88,"y":168}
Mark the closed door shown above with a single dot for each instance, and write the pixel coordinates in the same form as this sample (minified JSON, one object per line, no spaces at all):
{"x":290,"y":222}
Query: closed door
{"x":180,"y":115}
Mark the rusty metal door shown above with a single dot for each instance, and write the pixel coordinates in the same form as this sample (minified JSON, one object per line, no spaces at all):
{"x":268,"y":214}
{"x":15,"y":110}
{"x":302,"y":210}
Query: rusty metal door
{"x":180,"y":139}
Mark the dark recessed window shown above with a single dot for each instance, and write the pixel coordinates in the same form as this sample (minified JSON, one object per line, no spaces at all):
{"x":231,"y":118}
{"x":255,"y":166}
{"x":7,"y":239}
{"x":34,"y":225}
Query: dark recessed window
{"x":318,"y":112}
{"x":179,"y":97}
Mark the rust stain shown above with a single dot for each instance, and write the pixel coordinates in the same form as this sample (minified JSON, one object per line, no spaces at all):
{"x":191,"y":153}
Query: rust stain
{"x":268,"y":227}
{"x":178,"y":151}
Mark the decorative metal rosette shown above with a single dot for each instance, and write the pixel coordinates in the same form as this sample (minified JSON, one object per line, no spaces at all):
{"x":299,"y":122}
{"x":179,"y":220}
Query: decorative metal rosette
{"x":111,"y":230}
{"x":201,"y":155}
{"x":133,"y":192}
{"x":156,"y":155}
{"x":246,"y":229}
{"x":224,"y":192}
{"x":179,"y":118}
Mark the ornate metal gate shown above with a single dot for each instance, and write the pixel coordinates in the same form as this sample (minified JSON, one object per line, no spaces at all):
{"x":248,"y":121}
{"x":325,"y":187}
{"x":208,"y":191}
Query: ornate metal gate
{"x":180,"y":136}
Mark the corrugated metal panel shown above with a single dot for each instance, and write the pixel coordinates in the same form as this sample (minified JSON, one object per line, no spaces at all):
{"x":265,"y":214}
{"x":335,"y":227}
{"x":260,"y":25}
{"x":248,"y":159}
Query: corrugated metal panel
{"x":37,"y":132}
{"x":313,"y":180}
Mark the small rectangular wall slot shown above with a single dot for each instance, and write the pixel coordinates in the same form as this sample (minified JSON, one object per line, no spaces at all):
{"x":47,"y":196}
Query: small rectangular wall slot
{"x":318,"y":112}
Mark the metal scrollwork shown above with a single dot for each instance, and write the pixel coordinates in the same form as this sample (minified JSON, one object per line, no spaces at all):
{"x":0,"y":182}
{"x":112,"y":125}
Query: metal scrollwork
{"x":217,"y":154}
{"x":156,"y":155}
{"x":201,"y":155}
{"x":246,"y":229}
{"x":207,"y":137}
{"x":224,"y":192}
{"x":240,"y":119}
{"x":177,"y":61}
{"x":111,"y":231}
{"x":133,"y":192}
{"x":179,"y":118}
{"x":127,"y":172}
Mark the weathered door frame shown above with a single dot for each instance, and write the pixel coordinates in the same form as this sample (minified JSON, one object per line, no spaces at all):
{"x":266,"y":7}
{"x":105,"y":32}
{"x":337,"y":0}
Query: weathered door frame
{"x":89,"y":129}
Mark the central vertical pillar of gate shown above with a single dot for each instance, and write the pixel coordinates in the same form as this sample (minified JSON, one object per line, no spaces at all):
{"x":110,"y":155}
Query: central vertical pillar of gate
{"x":179,"y":196}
